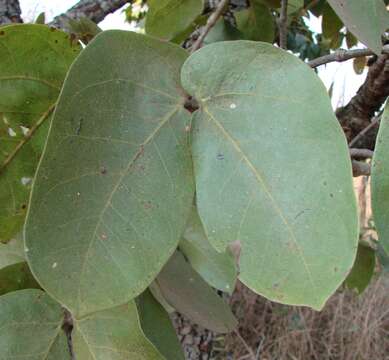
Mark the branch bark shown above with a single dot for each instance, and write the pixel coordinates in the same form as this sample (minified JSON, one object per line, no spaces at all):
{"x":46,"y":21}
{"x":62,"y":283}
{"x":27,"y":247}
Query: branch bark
{"x":283,"y":24}
{"x":95,"y":10}
{"x":10,"y":12}
{"x":356,"y":116}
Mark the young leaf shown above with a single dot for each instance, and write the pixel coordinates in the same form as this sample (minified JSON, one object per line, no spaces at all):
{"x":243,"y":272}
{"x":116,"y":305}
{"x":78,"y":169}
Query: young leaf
{"x":115,"y":185}
{"x":256,"y":22}
{"x":157,"y":326}
{"x":29,"y":89}
{"x":31,"y":327}
{"x":272,"y":170}
{"x":217,"y":269}
{"x":332,"y":25}
{"x":363,"y":269}
{"x":166,"y":19}
{"x":366,"y":19}
{"x":190,"y":295}
{"x":380,"y":182}
{"x":112,"y":334}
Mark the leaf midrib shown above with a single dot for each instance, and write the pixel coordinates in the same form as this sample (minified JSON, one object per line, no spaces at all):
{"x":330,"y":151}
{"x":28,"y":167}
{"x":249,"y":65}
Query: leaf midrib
{"x":265,"y":188}
{"x":164,"y":120}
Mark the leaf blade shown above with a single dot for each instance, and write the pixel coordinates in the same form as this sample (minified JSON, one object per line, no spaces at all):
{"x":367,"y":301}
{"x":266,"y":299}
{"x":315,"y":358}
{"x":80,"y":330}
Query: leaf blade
{"x":243,"y":142}
{"x":112,"y":209}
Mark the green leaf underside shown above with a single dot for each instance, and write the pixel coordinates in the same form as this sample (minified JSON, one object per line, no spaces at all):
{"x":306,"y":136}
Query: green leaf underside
{"x":31,"y":327}
{"x":366,"y":19}
{"x":168,"y":18}
{"x":113,"y":334}
{"x":363,"y":269}
{"x":190,"y":295}
{"x":256,"y":22}
{"x":272,"y":170}
{"x":380,"y":182}
{"x":28,"y":92}
{"x":157,"y":327}
{"x":217,"y":269}
{"x":115,"y":184}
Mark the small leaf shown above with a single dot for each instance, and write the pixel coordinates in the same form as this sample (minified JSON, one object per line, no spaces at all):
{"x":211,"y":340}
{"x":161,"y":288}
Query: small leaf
{"x":267,"y":174}
{"x":41,"y":19}
{"x":112,"y":334}
{"x":223,"y":31}
{"x":31,"y":327}
{"x":29,"y":91}
{"x":217,"y":269}
{"x":190,"y":295}
{"x":256,"y":22}
{"x":362,"y":270}
{"x":84,"y":29}
{"x":380,"y":182}
{"x":359,"y":64}
{"x":115,"y":185}
{"x":366,"y":19}
{"x":294,"y":6}
{"x":157,"y":327}
{"x":351,"y":40}
{"x":166,"y":19}
{"x":332,"y":25}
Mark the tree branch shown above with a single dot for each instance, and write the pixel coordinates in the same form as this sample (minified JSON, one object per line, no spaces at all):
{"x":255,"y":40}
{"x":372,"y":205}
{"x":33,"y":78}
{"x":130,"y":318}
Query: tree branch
{"x":209,"y":25}
{"x":360,"y":168}
{"x":356,"y":116}
{"x":361,"y":153}
{"x":95,"y":10}
{"x":344,"y":55}
{"x":283,"y":24}
{"x":10,"y":12}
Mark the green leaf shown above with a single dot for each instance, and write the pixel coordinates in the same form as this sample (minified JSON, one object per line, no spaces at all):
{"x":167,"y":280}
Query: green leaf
{"x":256,"y":22}
{"x":12,"y":252}
{"x":115,"y":185}
{"x":366,"y":19}
{"x":363,"y":269}
{"x":359,"y":64}
{"x":16,"y":277}
{"x":112,"y":334}
{"x":351,"y":40}
{"x":294,"y":6}
{"x":31,"y":327}
{"x":41,"y":19}
{"x":14,"y":271}
{"x":166,"y":19}
{"x":217,"y":269}
{"x":157,"y":327}
{"x":222,"y":31}
{"x":272,"y":170}
{"x":331,"y":25}
{"x":274,"y":4}
{"x":190,"y":295}
{"x":84,"y":28}
{"x":380,"y":182}
{"x":29,"y":91}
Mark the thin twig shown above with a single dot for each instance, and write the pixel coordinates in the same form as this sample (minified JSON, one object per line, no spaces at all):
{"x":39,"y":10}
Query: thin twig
{"x":344,"y":55}
{"x":283,"y":24}
{"x":361,"y":153}
{"x":27,"y":138}
{"x":247,"y":347}
{"x":364,"y":131}
{"x":210,"y":24}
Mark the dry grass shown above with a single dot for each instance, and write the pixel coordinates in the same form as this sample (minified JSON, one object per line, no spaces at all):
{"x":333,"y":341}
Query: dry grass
{"x":350,"y":327}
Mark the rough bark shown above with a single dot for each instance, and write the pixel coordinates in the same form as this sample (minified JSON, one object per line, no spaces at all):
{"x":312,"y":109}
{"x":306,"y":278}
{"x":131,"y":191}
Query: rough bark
{"x":10,"y":12}
{"x":358,"y":113}
{"x":95,"y":10}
